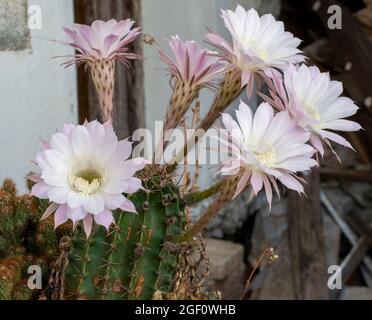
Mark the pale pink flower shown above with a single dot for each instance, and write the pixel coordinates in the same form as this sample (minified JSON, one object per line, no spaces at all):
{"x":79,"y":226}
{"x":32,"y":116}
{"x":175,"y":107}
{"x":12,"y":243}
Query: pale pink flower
{"x":192,"y":68}
{"x":98,"y":46}
{"x":266,"y":148}
{"x":258,"y":44}
{"x":192,"y":64}
{"x":314,"y":102}
{"x":102,"y":40}
{"x":84,"y":172}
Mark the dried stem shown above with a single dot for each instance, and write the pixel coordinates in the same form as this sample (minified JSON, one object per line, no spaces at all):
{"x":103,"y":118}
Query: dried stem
{"x":270,"y":254}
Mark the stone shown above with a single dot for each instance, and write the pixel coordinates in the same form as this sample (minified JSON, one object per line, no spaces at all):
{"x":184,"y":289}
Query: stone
{"x":14,"y":30}
{"x":269,"y":228}
{"x":227,"y":269}
{"x":278,"y":284}
{"x":356,"y":293}
{"x":223,"y":256}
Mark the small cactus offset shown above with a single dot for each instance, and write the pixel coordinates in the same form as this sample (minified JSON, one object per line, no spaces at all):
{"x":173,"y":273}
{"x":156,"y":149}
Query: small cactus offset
{"x":24,"y":241}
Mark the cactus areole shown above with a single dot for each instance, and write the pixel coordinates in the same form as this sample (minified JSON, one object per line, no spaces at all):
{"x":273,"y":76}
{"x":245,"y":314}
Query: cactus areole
{"x":137,"y":256}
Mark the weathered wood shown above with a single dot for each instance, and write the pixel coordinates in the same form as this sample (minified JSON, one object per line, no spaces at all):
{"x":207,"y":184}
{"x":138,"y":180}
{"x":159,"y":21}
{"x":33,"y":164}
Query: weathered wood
{"x":306,"y":241}
{"x":350,"y":42}
{"x":346,"y":174}
{"x":129,"y":91}
{"x":353,"y":259}
{"x":360,"y":226}
{"x":366,"y":266}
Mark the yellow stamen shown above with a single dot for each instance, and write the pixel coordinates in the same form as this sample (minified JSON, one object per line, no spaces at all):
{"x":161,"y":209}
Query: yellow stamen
{"x":268,"y":157}
{"x":86,"y":182}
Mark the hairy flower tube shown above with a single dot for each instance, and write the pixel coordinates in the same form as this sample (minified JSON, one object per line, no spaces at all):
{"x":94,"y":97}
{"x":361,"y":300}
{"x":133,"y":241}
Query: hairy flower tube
{"x":192,"y":68}
{"x":98,"y":46}
{"x":84,"y":172}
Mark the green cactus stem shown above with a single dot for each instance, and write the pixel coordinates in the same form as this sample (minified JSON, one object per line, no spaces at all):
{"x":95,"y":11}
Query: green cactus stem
{"x":132,"y":260}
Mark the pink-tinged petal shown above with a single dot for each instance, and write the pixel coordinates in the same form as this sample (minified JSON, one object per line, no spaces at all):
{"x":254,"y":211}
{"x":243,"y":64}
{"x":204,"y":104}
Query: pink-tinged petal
{"x":80,"y":142}
{"x":262,"y":119}
{"x":68,"y":128}
{"x":52,"y":207}
{"x":125,"y":149}
{"x":250,"y":86}
{"x":132,"y":185}
{"x":245,"y":117}
{"x":256,"y":182}
{"x":335,"y":138}
{"x":232,"y":126}
{"x":108,"y":43}
{"x":46,"y":145}
{"x":60,"y":216}
{"x":58,"y":195}
{"x":106,"y":147}
{"x":128,"y":206}
{"x":34,"y":178}
{"x":291,"y":183}
{"x":40,"y":190}
{"x":56,"y":160}
{"x":94,"y":204}
{"x":61,"y":143}
{"x":281,"y":125}
{"x":317,"y":144}
{"x":88,"y":223}
{"x":96,"y":130}
{"x":130,"y":167}
{"x":246,"y":78}
{"x":276,"y":188}
{"x":242,"y":184}
{"x":105,"y":219}
{"x":219,"y":42}
{"x":54,"y":178}
{"x":75,"y":200}
{"x":76,"y":214}
{"x":192,"y":63}
{"x":268,"y":190}
{"x":113,"y":201}
{"x":342,"y":125}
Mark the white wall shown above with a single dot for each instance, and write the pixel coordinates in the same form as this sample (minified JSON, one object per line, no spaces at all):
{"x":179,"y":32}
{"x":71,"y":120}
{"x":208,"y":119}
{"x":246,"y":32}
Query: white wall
{"x":37,"y":95}
{"x":162,"y":19}
{"x":188,"y":19}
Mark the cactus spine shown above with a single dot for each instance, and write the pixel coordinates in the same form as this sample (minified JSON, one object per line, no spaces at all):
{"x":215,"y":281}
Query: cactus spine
{"x":134,"y":259}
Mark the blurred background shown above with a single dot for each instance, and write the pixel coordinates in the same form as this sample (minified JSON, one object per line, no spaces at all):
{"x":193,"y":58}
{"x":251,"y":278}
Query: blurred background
{"x":329,"y":227}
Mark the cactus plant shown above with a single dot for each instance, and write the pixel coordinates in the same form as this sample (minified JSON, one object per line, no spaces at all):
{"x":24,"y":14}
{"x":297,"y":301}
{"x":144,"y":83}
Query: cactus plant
{"x":141,"y":244}
{"x":135,"y":258}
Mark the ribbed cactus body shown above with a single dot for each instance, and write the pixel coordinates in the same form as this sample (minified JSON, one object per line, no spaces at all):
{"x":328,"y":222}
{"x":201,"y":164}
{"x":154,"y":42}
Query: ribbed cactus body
{"x":135,"y":258}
